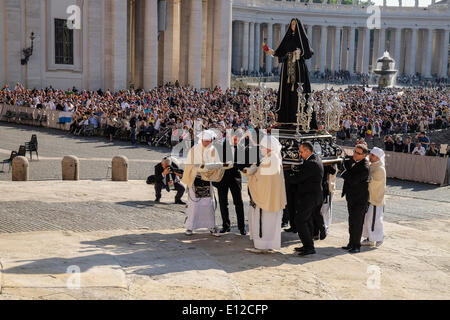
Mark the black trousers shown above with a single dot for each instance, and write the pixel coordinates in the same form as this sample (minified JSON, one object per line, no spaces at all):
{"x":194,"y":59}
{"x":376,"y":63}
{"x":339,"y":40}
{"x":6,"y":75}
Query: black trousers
{"x":356,"y":215}
{"x":236,"y":191}
{"x":319,"y":224}
{"x":290,"y":212}
{"x":305,"y":224}
{"x":178,"y":187}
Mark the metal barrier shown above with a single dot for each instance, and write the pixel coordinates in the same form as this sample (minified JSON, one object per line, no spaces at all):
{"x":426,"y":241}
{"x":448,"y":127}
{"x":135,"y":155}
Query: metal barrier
{"x":33,"y":117}
{"x":404,"y":166}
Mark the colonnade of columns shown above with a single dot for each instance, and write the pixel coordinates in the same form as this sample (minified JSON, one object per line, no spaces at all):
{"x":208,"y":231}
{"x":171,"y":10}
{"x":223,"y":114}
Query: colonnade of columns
{"x":193,"y":48}
{"x":353,"y":49}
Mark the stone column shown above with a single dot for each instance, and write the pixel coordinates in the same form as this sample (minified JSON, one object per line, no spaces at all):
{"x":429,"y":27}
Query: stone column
{"x":257,"y":66}
{"x":172,"y":43}
{"x":222,"y":43}
{"x":235,"y":46}
{"x":429,"y":53}
{"x":245,"y":46}
{"x":269,"y":59}
{"x":195,"y":44}
{"x":412,"y":52}
{"x":365,"y":66}
{"x":376,"y":46}
{"x":351,"y":54}
{"x":151,"y":44}
{"x":323,"y":48}
{"x":416,"y":3}
{"x":344,"y":51}
{"x":359,"y":50}
{"x":310,"y":37}
{"x":337,"y":48}
{"x":251,"y":51}
{"x":397,"y":43}
{"x":444,"y":54}
{"x":276,"y":42}
{"x":382,"y":46}
{"x":239,"y":28}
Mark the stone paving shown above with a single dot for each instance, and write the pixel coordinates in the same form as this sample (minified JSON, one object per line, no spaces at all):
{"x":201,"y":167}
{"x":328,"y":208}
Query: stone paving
{"x":127,"y":247}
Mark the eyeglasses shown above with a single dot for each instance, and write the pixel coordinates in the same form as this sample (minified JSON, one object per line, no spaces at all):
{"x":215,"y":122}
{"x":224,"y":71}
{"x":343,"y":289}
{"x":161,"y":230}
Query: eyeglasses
{"x":360,"y":153}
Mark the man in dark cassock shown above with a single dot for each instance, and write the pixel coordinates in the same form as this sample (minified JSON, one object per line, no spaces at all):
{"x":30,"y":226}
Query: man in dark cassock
{"x":294,"y":49}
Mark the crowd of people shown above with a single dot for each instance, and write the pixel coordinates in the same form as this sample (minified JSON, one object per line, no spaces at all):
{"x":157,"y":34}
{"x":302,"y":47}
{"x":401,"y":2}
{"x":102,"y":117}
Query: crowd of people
{"x":418,"y":80}
{"x":137,"y":115}
{"x":394,"y":115}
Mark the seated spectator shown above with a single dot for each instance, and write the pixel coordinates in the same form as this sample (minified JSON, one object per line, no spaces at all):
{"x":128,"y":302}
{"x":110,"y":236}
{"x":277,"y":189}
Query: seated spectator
{"x":432,"y":151}
{"x":388,"y":143}
{"x":419,"y":150}
{"x":408,"y":146}
{"x":398,"y":145}
{"x":423,"y":139}
{"x":93,"y":121}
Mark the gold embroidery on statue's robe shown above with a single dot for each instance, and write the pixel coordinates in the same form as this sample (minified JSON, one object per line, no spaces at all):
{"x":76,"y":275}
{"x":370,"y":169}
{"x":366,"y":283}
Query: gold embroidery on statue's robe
{"x":291,"y":79}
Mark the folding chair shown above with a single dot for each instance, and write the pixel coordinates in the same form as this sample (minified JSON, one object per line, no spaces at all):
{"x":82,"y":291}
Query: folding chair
{"x":22,"y":151}
{"x":32,"y":146}
{"x":9,"y":161}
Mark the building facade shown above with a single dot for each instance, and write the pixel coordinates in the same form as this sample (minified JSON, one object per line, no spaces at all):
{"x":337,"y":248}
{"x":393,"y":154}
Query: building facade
{"x":119,"y":44}
{"x":345,"y":36}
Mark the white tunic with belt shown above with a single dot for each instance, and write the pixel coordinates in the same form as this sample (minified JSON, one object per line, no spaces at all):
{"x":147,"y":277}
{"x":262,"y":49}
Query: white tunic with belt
{"x":267,"y":189}
{"x":200,"y":211}
{"x":373,"y":221}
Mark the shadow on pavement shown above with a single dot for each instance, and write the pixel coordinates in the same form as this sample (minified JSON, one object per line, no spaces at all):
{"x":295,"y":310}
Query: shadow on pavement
{"x":161,"y":254}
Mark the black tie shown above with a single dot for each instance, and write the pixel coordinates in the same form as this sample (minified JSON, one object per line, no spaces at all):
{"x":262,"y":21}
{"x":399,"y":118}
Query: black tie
{"x":235,"y":155}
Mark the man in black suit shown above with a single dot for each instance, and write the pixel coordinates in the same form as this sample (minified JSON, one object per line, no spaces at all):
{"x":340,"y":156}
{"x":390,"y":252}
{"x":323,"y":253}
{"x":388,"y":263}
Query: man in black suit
{"x":165,"y":177}
{"x":231,"y":181}
{"x":409,"y":146}
{"x":308,"y":180}
{"x":356,"y":190}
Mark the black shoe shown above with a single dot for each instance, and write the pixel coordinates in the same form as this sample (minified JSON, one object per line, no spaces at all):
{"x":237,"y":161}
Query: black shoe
{"x":323,"y":235}
{"x":284,"y":225}
{"x":243,"y":232}
{"x":225,"y":230}
{"x":290,"y":230}
{"x":299,"y":249}
{"x":354,"y":250}
{"x":180,"y":202}
{"x":307,"y":252}
{"x":316,"y":238}
{"x":157,"y":200}
{"x":347,"y":247}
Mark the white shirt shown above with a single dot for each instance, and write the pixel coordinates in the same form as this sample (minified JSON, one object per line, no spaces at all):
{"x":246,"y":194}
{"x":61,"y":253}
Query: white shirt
{"x":421,"y":151}
{"x":158,"y":124}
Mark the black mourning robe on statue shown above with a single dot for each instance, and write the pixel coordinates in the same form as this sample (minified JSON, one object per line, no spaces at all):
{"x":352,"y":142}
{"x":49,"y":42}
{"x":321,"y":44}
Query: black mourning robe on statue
{"x":287,"y":95}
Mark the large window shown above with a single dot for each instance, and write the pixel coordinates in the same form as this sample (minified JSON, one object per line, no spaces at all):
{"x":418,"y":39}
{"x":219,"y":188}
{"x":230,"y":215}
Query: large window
{"x":63,"y":42}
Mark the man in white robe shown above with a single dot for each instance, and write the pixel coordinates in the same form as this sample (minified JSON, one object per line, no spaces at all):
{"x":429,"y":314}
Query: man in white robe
{"x":373,"y":223}
{"x":203,"y":166}
{"x":268,"y":195}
